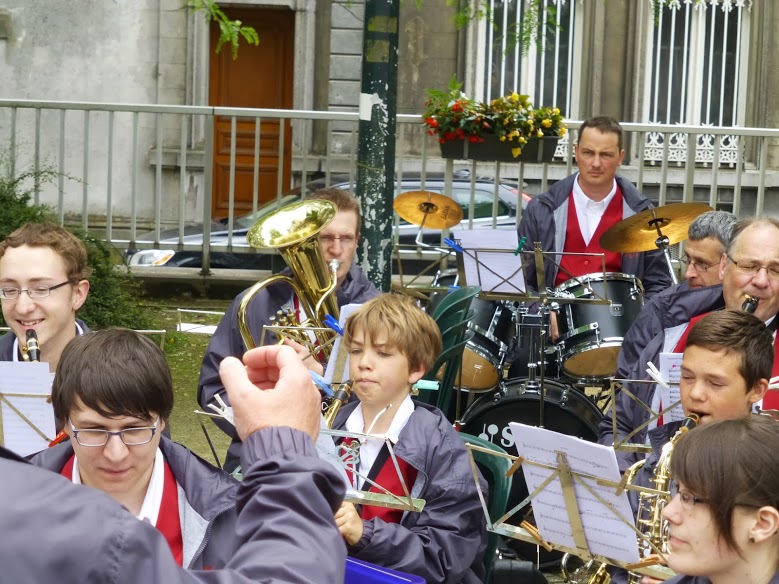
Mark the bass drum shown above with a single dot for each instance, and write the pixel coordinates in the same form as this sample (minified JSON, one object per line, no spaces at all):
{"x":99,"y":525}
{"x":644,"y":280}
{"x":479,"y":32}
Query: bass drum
{"x":566,"y":410}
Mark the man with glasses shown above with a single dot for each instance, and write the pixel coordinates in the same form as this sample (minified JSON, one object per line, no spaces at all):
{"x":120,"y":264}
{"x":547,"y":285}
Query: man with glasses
{"x":338,"y":241}
{"x":113,"y":393}
{"x":749,"y":266}
{"x":54,"y":531}
{"x":43,"y":284}
{"x":707,"y":238}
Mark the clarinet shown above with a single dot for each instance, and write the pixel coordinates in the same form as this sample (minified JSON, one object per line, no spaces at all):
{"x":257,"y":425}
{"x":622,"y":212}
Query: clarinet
{"x":750,"y":304}
{"x":32,"y":349}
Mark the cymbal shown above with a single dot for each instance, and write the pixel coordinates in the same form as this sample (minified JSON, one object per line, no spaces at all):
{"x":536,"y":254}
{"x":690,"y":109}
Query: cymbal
{"x":436,"y":211}
{"x":639,"y":232}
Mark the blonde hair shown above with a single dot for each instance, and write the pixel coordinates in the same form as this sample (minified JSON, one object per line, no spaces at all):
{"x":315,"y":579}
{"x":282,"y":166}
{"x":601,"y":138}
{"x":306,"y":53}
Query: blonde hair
{"x":407,"y":327}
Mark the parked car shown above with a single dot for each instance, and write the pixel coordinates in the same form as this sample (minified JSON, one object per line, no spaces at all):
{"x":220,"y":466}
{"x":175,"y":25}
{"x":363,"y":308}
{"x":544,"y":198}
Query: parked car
{"x":245,"y":257}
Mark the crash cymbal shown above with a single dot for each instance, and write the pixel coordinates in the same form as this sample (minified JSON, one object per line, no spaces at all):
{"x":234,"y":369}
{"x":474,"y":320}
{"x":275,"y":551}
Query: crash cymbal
{"x":639,"y":232}
{"x":434,"y":210}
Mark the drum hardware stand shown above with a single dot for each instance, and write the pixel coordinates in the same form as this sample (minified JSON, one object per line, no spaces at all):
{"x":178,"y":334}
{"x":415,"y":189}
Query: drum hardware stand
{"x":662,"y":242}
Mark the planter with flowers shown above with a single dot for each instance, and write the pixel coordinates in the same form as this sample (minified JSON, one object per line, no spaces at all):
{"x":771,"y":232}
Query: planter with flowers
{"x":503,"y":130}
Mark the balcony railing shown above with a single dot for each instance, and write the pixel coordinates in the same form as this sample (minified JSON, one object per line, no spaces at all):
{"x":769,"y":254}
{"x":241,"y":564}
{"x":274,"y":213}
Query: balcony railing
{"x":124,"y":170}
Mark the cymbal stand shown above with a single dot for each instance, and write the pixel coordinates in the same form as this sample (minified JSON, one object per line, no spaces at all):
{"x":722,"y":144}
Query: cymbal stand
{"x":662,"y":242}
{"x":543,"y":293}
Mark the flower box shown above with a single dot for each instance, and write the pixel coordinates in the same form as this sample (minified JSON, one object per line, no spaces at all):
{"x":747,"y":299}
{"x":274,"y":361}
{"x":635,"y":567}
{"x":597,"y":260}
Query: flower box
{"x":492,"y":149}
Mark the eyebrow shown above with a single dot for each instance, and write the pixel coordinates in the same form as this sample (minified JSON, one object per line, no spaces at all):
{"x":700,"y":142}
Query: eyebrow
{"x":92,"y":424}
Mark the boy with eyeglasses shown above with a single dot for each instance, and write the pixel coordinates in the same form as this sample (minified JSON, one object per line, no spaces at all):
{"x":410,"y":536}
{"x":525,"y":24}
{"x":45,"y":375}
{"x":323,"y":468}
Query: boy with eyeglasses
{"x":338,"y":241}
{"x":113,"y":393}
{"x":749,"y":266}
{"x":43,"y":284}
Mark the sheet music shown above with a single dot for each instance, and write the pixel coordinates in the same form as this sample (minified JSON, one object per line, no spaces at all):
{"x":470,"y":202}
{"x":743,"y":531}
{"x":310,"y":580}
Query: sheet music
{"x":671,"y":374}
{"x":606,"y":534}
{"x":493,"y":271}
{"x":32,"y":378}
{"x":346,"y":311}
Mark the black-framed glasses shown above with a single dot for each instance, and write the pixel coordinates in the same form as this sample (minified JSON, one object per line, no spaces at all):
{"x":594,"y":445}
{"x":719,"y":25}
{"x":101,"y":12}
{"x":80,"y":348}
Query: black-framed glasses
{"x":331,"y":239}
{"x":700,"y":267}
{"x":687,"y":499}
{"x":39,"y":291}
{"x":130,"y":436}
{"x":751,"y":268}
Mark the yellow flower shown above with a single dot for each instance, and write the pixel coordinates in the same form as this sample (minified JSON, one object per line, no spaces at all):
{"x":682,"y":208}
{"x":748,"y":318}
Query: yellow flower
{"x":556,"y":111}
{"x":514,"y":133}
{"x":503,"y":138}
{"x":522,"y":140}
{"x":546,"y":123}
{"x":562,"y":132}
{"x":514,"y":96}
{"x":516,"y":152}
{"x":540,"y":134}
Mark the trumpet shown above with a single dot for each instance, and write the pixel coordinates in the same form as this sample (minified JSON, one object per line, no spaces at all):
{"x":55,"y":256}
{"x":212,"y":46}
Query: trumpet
{"x":31,"y":350}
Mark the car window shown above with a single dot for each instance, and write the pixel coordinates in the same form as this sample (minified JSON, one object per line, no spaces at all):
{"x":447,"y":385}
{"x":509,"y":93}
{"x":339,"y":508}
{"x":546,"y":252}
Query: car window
{"x":482,"y":204}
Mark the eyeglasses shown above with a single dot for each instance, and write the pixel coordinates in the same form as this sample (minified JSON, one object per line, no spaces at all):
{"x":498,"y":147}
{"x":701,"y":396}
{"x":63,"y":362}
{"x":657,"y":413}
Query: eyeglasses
{"x":748,"y":267}
{"x":8,"y":293}
{"x":699,"y":266}
{"x":345,"y":240}
{"x":130,"y":436}
{"x":686,"y":497}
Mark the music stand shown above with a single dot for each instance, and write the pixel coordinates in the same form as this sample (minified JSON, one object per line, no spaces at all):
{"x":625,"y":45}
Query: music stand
{"x":26,"y":413}
{"x":554,"y":471}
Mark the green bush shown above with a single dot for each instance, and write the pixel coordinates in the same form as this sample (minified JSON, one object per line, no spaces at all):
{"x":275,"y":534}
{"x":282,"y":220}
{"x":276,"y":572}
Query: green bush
{"x":113,"y":293}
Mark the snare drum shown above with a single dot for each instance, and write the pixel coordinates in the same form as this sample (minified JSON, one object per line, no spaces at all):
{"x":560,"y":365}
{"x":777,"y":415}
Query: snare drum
{"x":566,"y":410}
{"x":527,"y":349}
{"x":591,"y":334}
{"x":494,"y":331}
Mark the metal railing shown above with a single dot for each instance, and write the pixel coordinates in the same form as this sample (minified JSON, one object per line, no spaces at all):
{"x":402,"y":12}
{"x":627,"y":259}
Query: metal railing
{"x":126,"y":172}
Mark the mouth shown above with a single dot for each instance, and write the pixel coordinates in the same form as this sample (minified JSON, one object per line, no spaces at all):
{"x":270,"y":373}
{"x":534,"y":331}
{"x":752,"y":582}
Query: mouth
{"x":703,"y":417}
{"x":30,"y":323}
{"x":674,"y":541}
{"x":115,"y":473}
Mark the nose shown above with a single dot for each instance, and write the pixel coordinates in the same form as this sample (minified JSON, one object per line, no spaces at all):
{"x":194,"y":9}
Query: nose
{"x":696,"y":391}
{"x":365,"y":362}
{"x":24,"y":303}
{"x":761,"y":278}
{"x":671,"y":511}
{"x":115,"y":449}
{"x":690,"y":272}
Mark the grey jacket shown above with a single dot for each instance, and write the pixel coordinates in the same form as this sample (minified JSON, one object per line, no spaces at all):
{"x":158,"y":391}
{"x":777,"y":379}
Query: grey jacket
{"x":7,"y":343}
{"x":55,"y":531}
{"x":445,"y":542}
{"x":546,"y":219}
{"x":227,"y":339}
{"x":207,"y":502}
{"x":704,"y":580}
{"x":644,"y":342}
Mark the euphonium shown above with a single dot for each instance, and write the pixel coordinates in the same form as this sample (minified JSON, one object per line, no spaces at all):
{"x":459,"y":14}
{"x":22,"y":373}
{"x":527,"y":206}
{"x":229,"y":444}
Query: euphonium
{"x":293,"y":231}
{"x":31,"y":350}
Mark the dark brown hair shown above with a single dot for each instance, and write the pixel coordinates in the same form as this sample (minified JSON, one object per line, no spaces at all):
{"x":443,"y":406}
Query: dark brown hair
{"x":605,"y":124}
{"x":343,"y":200}
{"x":408,"y":328}
{"x":69,"y":247}
{"x":729,"y":464}
{"x":116,"y":372}
{"x":737,"y":332}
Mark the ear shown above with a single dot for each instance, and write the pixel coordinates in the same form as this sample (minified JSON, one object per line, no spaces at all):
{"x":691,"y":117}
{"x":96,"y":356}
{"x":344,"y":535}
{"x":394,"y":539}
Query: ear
{"x":758,"y":391}
{"x":723,"y":261}
{"x":416,"y":374}
{"x":80,"y":291}
{"x":766,"y":524}
{"x":621,"y":156}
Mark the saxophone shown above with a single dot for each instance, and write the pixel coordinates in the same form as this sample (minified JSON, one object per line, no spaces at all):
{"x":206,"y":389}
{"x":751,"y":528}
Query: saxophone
{"x":649,"y":518}
{"x":750,"y":304}
{"x":341,"y":395}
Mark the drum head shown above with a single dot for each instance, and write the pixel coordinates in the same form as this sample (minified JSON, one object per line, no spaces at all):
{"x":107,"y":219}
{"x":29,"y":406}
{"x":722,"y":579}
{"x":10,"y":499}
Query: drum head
{"x":479,"y":373}
{"x":566,"y":410}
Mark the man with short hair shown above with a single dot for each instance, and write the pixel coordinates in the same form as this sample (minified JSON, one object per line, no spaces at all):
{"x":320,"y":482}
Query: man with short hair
{"x":43,"y":284}
{"x":749,"y":266}
{"x":52,"y":530}
{"x":338,"y":241}
{"x":707,"y":238}
{"x":573,"y":215}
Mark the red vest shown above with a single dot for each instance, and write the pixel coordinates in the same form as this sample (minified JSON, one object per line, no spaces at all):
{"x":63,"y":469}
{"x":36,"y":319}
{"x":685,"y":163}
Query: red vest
{"x":168,"y":520}
{"x":383,"y":473}
{"x":574,"y":242}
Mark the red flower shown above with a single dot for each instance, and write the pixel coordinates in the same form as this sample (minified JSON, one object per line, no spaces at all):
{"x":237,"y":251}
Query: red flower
{"x":432,"y":122}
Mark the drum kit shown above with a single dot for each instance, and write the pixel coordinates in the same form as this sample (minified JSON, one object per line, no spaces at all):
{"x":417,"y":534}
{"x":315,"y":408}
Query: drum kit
{"x":508,"y":369}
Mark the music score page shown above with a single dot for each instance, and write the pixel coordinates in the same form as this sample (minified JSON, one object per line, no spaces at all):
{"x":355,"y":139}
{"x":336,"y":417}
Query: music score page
{"x":605,"y":532}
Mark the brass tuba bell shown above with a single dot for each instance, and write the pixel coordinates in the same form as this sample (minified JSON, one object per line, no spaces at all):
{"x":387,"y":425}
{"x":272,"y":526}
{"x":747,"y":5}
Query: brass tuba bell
{"x":293,"y":231}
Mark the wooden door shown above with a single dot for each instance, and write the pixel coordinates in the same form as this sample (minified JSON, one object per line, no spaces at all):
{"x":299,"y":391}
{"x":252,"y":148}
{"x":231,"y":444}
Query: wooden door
{"x":261,"y":77}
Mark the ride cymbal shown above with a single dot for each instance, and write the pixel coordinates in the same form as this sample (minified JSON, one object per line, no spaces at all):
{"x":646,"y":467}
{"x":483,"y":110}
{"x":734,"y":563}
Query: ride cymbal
{"x":639,"y":232}
{"x":428,"y":208}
